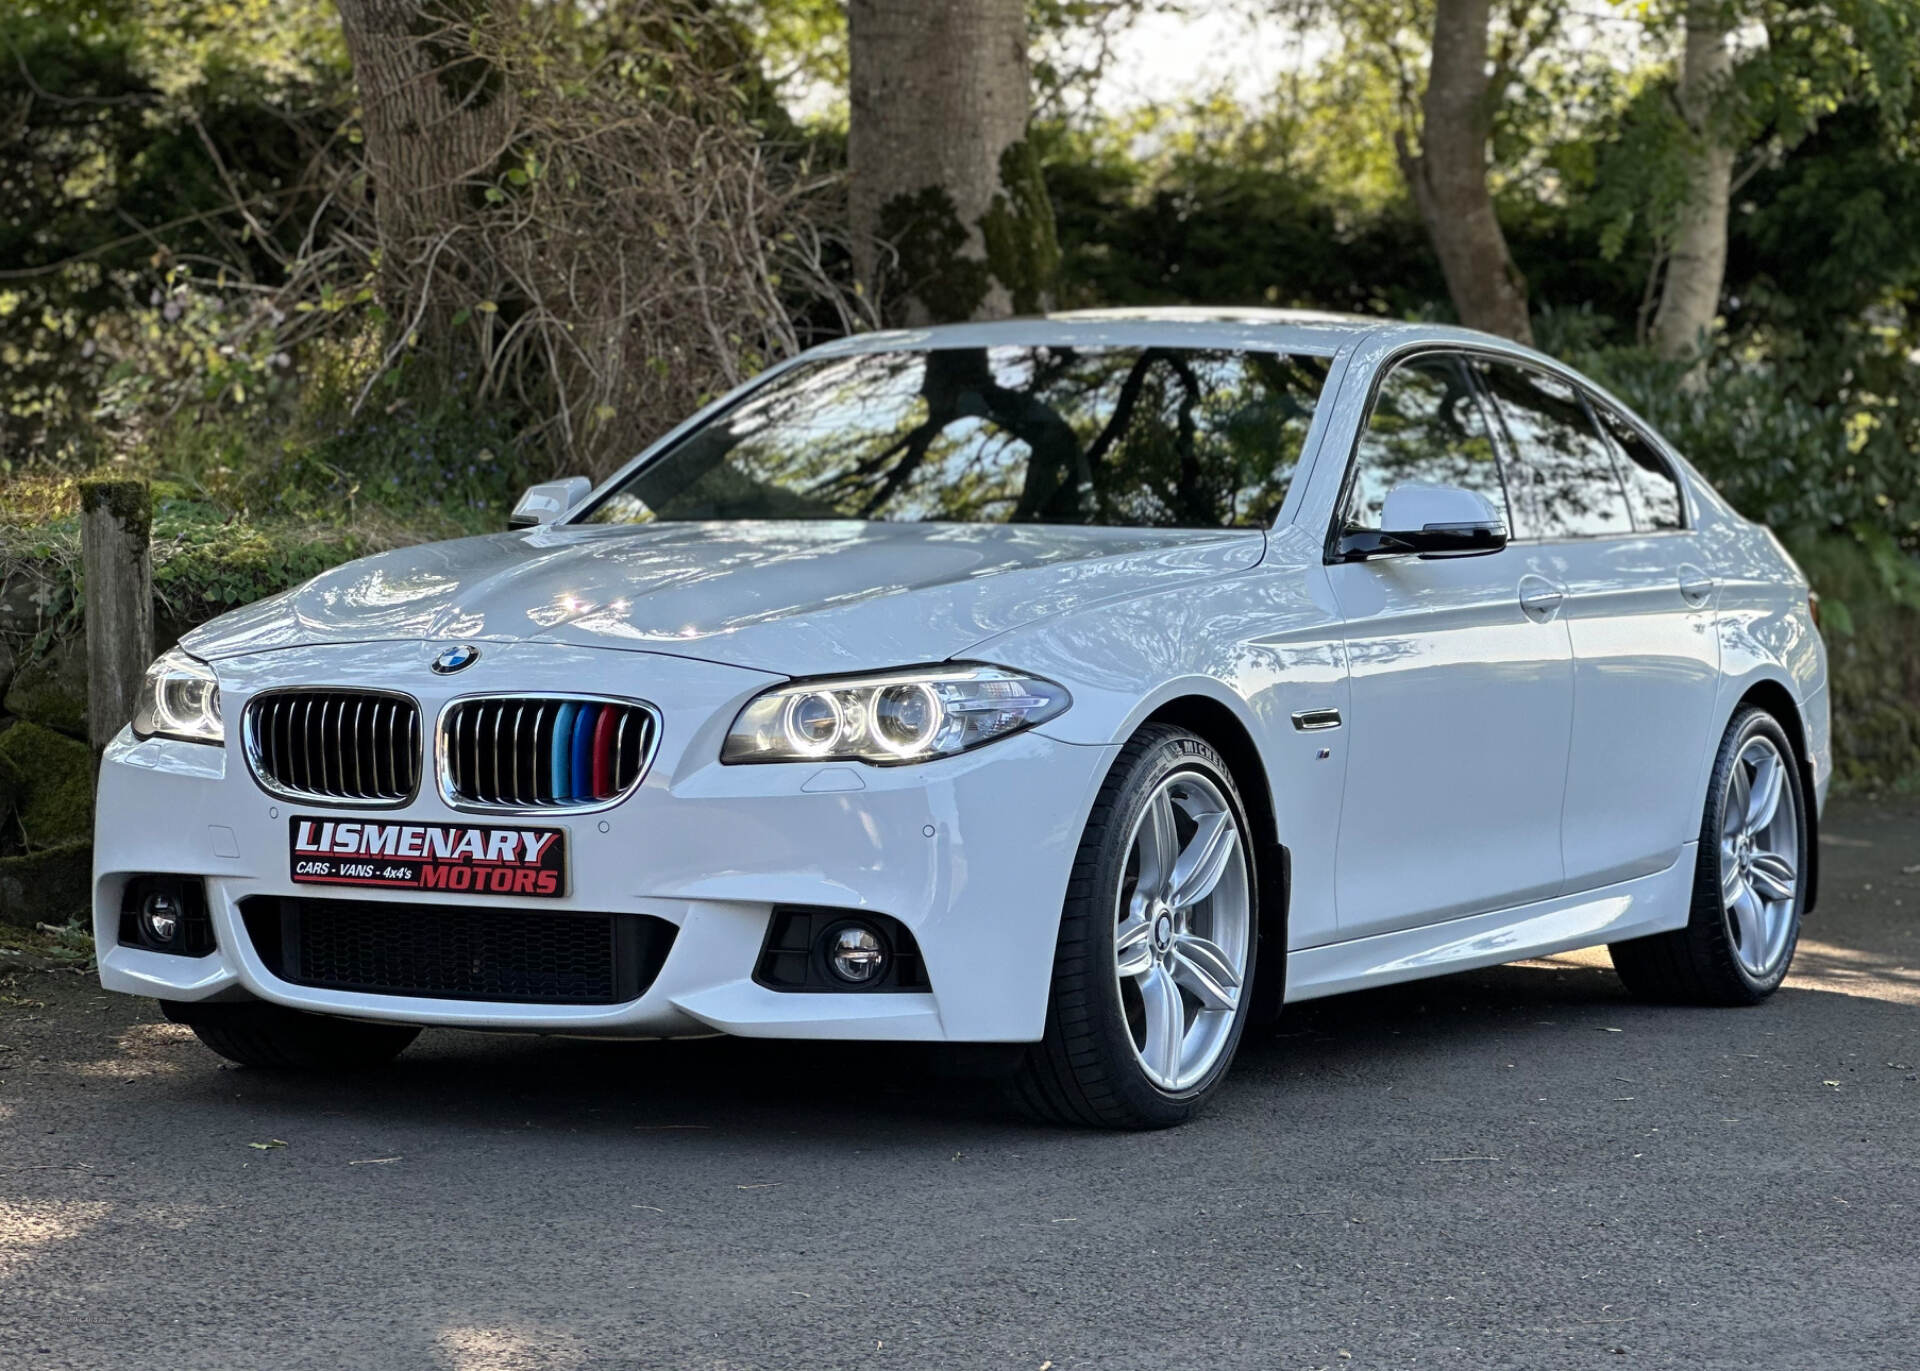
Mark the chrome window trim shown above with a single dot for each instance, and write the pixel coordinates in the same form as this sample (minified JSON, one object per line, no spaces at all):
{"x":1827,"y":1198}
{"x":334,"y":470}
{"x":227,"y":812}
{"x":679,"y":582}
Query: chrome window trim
{"x":443,"y":771}
{"x":249,"y":748}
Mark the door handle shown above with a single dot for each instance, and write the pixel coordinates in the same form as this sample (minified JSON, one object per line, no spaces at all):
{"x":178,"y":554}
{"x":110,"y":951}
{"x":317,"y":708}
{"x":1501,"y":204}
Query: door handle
{"x":1540,"y":599}
{"x":1696,"y":586}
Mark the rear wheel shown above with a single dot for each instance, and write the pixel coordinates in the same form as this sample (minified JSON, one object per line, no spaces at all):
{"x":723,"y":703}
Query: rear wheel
{"x":1748,"y":893}
{"x":268,"y":1035}
{"x":1153,"y":973}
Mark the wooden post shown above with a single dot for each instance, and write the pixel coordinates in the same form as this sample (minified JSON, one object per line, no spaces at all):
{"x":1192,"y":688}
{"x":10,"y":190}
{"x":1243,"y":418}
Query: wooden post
{"x":116,"y":528}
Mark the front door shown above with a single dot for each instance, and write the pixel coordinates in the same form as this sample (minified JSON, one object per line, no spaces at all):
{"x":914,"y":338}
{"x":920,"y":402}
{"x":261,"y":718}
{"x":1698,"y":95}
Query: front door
{"x":1461,"y":685}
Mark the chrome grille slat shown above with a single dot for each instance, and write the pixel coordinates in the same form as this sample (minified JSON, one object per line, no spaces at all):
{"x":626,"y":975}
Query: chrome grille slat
{"x":323,"y":779}
{"x":351,"y":746}
{"x":497,"y":751}
{"x":519,"y":710}
{"x":305,"y":782}
{"x":493,"y":753}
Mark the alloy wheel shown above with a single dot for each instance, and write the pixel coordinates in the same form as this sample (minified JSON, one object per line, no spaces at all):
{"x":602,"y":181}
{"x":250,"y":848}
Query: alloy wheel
{"x":1759,"y":857}
{"x":1183,"y":930}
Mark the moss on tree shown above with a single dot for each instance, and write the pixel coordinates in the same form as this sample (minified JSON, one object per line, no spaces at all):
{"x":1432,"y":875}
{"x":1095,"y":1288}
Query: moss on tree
{"x":925,"y":230}
{"x":128,"y":501}
{"x":1023,"y":251}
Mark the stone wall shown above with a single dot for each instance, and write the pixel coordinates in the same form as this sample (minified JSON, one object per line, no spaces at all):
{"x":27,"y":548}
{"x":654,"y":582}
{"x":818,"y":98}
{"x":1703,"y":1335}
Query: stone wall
{"x":46,"y":767}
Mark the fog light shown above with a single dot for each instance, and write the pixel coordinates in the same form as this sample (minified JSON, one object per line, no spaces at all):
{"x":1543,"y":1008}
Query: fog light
{"x":160,"y":916}
{"x":856,"y":954}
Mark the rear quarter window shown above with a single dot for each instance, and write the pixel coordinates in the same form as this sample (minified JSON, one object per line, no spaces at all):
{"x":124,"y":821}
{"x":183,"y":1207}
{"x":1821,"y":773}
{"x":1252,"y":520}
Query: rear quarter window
{"x":1653,"y":490}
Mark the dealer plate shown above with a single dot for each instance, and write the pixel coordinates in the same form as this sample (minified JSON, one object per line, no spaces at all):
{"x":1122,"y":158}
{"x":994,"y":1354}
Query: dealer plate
{"x":472,"y":859}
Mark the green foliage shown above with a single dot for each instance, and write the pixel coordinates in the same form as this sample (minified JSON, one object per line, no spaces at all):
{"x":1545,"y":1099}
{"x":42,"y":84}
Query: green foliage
{"x":1803,"y":466}
{"x":448,"y":466}
{"x":1870,"y":612}
{"x":134,"y":128}
{"x":206,"y":564}
{"x":1629,"y":169}
{"x":1225,"y":223}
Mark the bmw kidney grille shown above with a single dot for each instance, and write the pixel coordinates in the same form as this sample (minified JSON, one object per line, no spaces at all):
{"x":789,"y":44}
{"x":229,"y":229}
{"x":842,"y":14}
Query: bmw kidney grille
{"x":520,"y":752}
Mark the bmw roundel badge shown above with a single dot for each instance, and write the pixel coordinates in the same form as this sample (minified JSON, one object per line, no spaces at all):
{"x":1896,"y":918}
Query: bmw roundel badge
{"x":456,"y":659}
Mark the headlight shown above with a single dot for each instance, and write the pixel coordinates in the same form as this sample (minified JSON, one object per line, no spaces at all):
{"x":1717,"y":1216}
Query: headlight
{"x":905,"y":716}
{"x":179,"y":699}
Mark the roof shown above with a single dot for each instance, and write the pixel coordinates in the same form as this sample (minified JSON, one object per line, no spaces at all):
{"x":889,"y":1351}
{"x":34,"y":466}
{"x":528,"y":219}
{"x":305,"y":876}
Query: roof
{"x":1277,"y":330}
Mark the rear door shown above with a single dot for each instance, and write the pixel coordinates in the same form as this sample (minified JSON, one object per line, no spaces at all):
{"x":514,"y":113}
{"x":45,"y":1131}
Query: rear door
{"x":1603,"y":510}
{"x":1461,"y":683}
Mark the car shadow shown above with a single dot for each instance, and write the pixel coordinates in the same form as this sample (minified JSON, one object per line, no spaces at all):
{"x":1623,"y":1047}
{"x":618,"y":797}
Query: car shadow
{"x":904,"y":1092}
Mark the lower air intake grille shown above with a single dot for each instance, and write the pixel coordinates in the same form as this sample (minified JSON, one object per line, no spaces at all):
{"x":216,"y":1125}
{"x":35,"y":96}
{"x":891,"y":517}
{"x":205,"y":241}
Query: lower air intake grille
{"x":451,"y":952}
{"x":519,"y":753}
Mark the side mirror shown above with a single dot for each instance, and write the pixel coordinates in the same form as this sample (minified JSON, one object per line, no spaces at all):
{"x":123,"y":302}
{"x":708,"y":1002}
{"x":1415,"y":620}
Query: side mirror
{"x":544,"y":503}
{"x":1428,"y":521}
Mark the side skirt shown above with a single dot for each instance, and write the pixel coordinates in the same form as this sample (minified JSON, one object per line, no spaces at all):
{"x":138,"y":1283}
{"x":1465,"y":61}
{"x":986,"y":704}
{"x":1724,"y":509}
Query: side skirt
{"x":1629,"y":909}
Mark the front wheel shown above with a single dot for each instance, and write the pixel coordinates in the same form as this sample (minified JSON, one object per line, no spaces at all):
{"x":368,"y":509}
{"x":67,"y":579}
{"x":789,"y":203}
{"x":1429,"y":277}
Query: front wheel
{"x":1748,"y":888}
{"x":1153,"y":972}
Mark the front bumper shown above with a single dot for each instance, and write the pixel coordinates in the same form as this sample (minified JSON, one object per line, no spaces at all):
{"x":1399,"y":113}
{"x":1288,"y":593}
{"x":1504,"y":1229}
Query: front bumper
{"x":971,"y":853}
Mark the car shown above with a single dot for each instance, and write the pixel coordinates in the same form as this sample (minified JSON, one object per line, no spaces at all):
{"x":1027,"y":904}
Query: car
{"x":1093,"y":685}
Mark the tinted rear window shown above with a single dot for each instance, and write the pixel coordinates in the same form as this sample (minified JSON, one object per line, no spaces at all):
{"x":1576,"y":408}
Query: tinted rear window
{"x":1168,"y":437}
{"x":1653,"y":491}
{"x":1562,"y":479}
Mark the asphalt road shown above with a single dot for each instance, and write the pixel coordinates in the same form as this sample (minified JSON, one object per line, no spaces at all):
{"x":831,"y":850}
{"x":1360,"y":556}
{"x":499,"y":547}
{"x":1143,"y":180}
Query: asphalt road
{"x":1515,"y":1168}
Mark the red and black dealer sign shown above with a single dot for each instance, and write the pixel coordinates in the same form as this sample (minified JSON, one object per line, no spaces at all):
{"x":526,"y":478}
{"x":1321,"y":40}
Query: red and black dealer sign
{"x":459,"y":858}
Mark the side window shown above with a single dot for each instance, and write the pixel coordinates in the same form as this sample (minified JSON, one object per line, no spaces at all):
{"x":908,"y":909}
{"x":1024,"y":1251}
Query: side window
{"x":1565,"y":483}
{"x":1653,"y":491}
{"x":1426,"y":428}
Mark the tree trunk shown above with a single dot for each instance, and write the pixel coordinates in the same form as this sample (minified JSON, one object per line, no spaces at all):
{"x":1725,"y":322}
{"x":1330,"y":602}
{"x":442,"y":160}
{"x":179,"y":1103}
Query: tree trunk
{"x":1449,"y":176}
{"x":1697,"y":260}
{"x":950,"y":216}
{"x":437,"y":114}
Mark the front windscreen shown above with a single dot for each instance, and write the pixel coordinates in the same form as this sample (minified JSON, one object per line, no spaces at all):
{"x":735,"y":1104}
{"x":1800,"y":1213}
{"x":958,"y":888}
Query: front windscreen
{"x":1157,"y":436}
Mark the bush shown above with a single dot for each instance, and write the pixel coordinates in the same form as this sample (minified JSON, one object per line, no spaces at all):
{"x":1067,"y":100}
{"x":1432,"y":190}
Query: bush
{"x":1804,"y":464}
{"x":1870,"y":613}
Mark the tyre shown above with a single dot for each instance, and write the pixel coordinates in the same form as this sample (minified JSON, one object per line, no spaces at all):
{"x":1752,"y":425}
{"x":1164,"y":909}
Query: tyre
{"x":1748,"y":892}
{"x":268,"y":1035}
{"x":1153,"y":974}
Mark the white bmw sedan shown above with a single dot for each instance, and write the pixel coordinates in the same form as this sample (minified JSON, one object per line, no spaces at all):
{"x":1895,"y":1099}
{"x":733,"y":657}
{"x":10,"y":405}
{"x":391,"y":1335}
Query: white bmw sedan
{"x":1093,"y":684}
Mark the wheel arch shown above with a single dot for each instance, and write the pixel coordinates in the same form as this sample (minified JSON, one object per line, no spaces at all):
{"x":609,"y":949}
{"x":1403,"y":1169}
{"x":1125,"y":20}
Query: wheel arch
{"x":1777,"y":699}
{"x":1273,"y":863}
